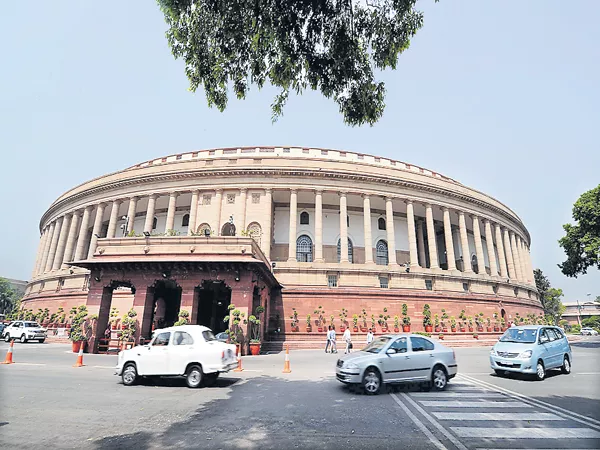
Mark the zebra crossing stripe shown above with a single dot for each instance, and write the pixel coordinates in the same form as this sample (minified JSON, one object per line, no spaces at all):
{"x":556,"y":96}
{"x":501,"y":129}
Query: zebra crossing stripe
{"x":459,"y":404}
{"x":437,"y":395}
{"x":529,"y":417}
{"x":526,"y":433}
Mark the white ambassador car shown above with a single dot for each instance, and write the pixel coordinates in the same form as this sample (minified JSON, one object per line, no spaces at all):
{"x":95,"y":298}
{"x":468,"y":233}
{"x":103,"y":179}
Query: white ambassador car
{"x":398,"y":359}
{"x":189,"y":351}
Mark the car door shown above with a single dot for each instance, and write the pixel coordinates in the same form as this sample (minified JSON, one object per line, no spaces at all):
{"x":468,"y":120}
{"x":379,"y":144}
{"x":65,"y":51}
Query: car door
{"x":545,"y":347}
{"x":154,"y":359}
{"x":11,"y":331}
{"x":180,"y":353}
{"x":555,"y":359}
{"x":421,"y":355}
{"x":396,"y":360}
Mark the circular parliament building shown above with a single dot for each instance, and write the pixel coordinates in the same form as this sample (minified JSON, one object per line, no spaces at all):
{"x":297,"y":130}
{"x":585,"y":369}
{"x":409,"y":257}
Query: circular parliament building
{"x":298,"y":231}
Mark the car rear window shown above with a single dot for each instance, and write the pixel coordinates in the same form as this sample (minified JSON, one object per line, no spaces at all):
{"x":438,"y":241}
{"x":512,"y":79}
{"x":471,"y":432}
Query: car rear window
{"x":31,"y":325}
{"x":208,"y":335}
{"x":420,"y":345}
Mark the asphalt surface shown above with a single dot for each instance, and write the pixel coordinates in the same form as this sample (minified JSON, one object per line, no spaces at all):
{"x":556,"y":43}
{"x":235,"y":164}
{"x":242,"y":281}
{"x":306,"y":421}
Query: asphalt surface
{"x":45,"y":402}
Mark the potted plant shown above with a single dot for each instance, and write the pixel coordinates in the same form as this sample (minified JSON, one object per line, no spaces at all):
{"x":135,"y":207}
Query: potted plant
{"x":470,"y":319}
{"x":436,"y":323}
{"x":384,"y":324}
{"x":114,"y":318}
{"x":479,"y":322}
{"x":355,"y":322}
{"x":427,"y":318}
{"x":331,"y":319}
{"x":496,"y":327}
{"x":444,"y":321}
{"x":489,"y":325}
{"x":441,"y":336}
{"x":254,"y":322}
{"x":308,"y":324}
{"x":77,"y":334}
{"x":343,"y":316}
{"x":320,"y":318}
{"x":363,"y":327}
{"x":294,"y":318}
{"x":373,"y":322}
{"x":235,"y":333}
{"x":475,"y":336}
{"x":129,"y":328}
{"x":405,"y":318}
{"x":396,"y":324}
{"x":72,"y":313}
{"x":503,"y":324}
{"x":183,"y":318}
{"x":453,"y":324}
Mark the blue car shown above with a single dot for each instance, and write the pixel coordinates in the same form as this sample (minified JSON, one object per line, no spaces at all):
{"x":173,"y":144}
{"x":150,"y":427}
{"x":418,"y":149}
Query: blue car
{"x":532,"y":349}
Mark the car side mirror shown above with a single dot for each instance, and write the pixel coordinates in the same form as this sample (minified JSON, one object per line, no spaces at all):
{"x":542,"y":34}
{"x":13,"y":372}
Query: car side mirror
{"x":544,"y":340}
{"x":390,"y":351}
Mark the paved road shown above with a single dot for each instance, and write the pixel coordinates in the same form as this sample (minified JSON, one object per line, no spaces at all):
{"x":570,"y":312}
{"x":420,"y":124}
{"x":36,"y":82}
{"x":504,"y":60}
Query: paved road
{"x":51,"y":404}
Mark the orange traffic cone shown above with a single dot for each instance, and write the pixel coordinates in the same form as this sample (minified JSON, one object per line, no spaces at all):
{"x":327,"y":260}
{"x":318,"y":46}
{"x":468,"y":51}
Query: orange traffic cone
{"x":239,"y":359}
{"x":79,"y":362}
{"x":286,"y":364}
{"x":9,"y":359}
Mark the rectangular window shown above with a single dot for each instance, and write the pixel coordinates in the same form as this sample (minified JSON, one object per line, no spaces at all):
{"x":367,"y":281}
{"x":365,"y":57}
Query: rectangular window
{"x":286,"y":150}
{"x":361,"y":156}
{"x":332,"y":280}
{"x":255,"y":198}
{"x":305,"y":151}
{"x":466,"y":287}
{"x":495,"y":288}
{"x":342,"y":154}
{"x":178,"y":157}
{"x":323,"y":152}
{"x":429,"y":285}
{"x":230,"y":151}
{"x":211,"y":152}
{"x":384,"y":282}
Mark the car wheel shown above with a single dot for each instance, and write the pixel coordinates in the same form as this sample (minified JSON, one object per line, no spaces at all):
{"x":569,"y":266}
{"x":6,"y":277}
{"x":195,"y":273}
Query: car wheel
{"x":210,"y":379}
{"x":129,"y":375}
{"x":540,"y":371}
{"x":194,"y":376}
{"x":566,"y":367}
{"x":371,"y":381}
{"x":439,"y":379}
{"x":499,"y":372}
{"x":23,"y":339}
{"x":7,"y":337}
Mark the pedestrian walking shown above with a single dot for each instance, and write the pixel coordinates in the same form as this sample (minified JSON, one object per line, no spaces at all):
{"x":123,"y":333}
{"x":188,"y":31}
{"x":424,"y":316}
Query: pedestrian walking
{"x":333,"y":343}
{"x":348,"y":339}
{"x":328,"y":338}
{"x":369,"y":336}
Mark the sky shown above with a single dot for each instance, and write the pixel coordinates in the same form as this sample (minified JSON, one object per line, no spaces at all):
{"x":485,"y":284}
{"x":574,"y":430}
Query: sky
{"x":503,"y":99}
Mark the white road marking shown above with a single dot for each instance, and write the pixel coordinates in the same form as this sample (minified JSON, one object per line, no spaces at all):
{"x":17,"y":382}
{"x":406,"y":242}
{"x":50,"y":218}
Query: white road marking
{"x":459,"y":404}
{"x":526,"y":433}
{"x":459,"y":445}
{"x":586,"y":373}
{"x":590,"y":422}
{"x":444,"y":395}
{"x":29,"y":364}
{"x":104,"y":367}
{"x":533,"y":416}
{"x":435,"y":441}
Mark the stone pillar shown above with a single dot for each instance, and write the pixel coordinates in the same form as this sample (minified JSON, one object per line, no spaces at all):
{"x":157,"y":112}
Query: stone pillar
{"x":515,"y":254}
{"x":83,"y":229}
{"x":46,"y":253}
{"x":450,"y":256}
{"x":40,"y":252}
{"x":501,"y":252}
{"x":113,"y":220}
{"x":489,"y":240}
{"x":131,"y":214}
{"x":193,"y":212}
{"x":319,"y":226}
{"x":292,"y":226}
{"x":509,"y":257}
{"x":62,"y":242}
{"x":96,"y":230}
{"x":367,"y":229}
{"x":421,"y":243}
{"x":523,"y":260}
{"x":464,"y":243}
{"x":343,"y":228}
{"x":150,"y":213}
{"x":478,"y":245}
{"x":412,"y":235}
{"x":433,"y":256}
{"x":391,"y":235}
{"x":266,"y":241}
{"x":243,"y":200}
{"x":71,"y":239}
{"x":219,"y":205}
{"x":170,"y":223}
{"x":53,"y":244}
{"x":530,"y":262}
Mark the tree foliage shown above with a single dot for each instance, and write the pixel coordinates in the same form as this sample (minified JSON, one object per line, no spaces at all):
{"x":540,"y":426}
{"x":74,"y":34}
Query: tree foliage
{"x":582,"y":241}
{"x":550,"y":297}
{"x":9,"y":298}
{"x":333,"y":46}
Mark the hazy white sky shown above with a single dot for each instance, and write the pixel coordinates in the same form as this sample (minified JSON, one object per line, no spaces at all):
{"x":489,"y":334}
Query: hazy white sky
{"x":503,"y":98}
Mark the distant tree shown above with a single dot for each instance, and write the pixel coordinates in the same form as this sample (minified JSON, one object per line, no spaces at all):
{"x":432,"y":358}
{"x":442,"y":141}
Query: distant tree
{"x":549,"y":296}
{"x":333,"y":46}
{"x":8,"y":297}
{"x":582,"y":242}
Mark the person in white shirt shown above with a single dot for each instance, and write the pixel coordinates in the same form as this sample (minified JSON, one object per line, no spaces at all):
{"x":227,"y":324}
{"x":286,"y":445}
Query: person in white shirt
{"x":328,"y":339}
{"x":332,"y":337}
{"x":369,"y":336}
{"x":348,"y":339}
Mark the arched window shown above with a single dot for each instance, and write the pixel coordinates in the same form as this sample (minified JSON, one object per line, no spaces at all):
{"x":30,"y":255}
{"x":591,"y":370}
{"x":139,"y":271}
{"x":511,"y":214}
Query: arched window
{"x":154,"y":223}
{"x":474,"y":264}
{"x":203,"y":228}
{"x":339,"y":250}
{"x":228,"y":229}
{"x":381,"y":224}
{"x":304,"y":249}
{"x":381,"y":253}
{"x":255,"y":232}
{"x":304,"y":218}
{"x":185,"y":221}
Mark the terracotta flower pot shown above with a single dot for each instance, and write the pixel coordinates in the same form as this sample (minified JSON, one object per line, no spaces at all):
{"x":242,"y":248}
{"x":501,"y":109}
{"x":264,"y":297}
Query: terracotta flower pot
{"x":76,"y":345}
{"x":453,"y":329}
{"x":475,"y":337}
{"x":480,"y":329}
{"x":463,"y":329}
{"x":254,"y":348}
{"x":406,"y":328}
{"x":428,"y":328}
{"x":470,"y":329}
{"x":441,"y":336}
{"x":444,"y":329}
{"x":384,"y":330}
{"x":342,"y":328}
{"x":437,"y":329}
{"x":355,"y":329}
{"x":396,"y":330}
{"x":320,"y":329}
{"x":489,"y":329}
{"x":308,"y":329}
{"x":363,"y":329}
{"x":496,"y":329}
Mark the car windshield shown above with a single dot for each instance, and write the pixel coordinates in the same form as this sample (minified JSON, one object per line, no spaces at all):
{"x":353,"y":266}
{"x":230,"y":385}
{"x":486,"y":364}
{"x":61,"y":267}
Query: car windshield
{"x":377,"y":345}
{"x":520,"y":335}
{"x":208,"y":335}
{"x":31,"y":325}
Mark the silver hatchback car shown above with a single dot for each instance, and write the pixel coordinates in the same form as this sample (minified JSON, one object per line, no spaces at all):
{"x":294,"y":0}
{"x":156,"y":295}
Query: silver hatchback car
{"x":399,"y":359}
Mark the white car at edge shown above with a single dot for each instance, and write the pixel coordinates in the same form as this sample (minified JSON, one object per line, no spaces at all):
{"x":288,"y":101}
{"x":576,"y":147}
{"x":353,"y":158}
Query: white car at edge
{"x":190,"y":351}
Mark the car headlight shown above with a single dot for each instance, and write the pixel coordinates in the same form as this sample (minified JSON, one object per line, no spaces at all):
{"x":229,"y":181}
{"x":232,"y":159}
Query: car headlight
{"x":493,"y":351}
{"x":350,"y":366}
{"x":526,"y":354}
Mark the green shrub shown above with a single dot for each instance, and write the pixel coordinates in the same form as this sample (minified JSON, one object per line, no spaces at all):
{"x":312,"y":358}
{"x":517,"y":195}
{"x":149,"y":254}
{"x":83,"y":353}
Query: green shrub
{"x":576,"y":329}
{"x":423,"y":333}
